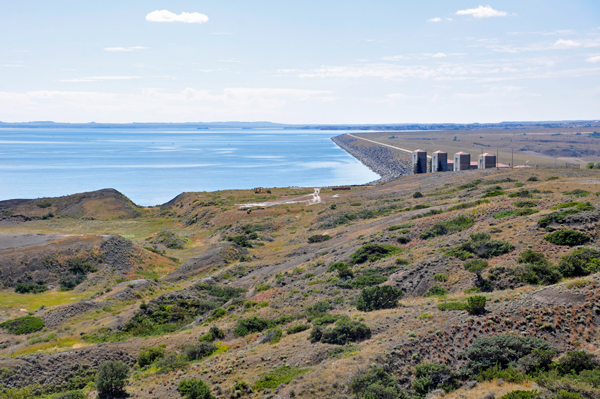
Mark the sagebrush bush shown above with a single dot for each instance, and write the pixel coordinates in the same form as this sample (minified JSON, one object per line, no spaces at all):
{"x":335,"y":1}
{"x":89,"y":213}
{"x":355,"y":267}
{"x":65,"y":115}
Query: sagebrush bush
{"x":148,"y":356}
{"x":436,"y":290}
{"x":194,"y":388}
{"x":298,"y":328}
{"x":374,"y":383}
{"x":199,"y":351}
{"x":31,"y":288}
{"x":251,"y":325}
{"x":378,"y":297}
{"x":567,"y":237}
{"x":476,"y":304}
{"x":500,"y":350}
{"x":372,"y":253}
{"x":111,"y":379}
{"x":345,"y":331}
{"x":580,"y":262}
{"x":448,"y":227}
{"x":432,"y":376}
{"x":318,"y":238}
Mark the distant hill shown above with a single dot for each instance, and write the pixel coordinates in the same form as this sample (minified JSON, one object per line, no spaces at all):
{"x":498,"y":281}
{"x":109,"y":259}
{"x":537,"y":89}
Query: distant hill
{"x":103,"y":204}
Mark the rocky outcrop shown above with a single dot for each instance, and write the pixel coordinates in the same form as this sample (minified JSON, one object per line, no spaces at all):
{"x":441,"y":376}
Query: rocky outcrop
{"x":386,"y":162}
{"x":54,"y":318}
{"x":33,"y":258}
{"x":60,"y":371}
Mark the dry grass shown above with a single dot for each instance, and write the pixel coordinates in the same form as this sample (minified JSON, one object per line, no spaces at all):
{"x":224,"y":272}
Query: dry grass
{"x":486,"y":387}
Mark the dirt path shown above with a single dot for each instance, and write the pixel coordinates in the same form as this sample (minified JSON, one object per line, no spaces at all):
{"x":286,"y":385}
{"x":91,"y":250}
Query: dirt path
{"x":315,"y":198}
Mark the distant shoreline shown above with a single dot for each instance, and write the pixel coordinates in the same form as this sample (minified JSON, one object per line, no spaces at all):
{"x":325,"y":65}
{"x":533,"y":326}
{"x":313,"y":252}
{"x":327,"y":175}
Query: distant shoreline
{"x":388,"y":163}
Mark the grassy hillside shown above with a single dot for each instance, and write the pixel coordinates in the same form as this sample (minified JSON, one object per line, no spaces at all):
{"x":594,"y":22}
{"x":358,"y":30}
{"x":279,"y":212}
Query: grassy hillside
{"x":468,"y":283}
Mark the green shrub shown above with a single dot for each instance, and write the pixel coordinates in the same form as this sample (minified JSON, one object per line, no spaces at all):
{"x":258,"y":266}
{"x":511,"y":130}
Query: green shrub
{"x":199,"y":351}
{"x":577,"y":193}
{"x":577,"y":361}
{"x":521,"y":194}
{"x":503,"y":214}
{"x":212,"y":335}
{"x":567,"y":237}
{"x":31,"y":288}
{"x":298,"y":328}
{"x":537,"y":360}
{"x":476,"y":266}
{"x":148,"y":356}
{"x":493,"y":193}
{"x":524,"y":204}
{"x":451,"y":306}
{"x":441,"y":277}
{"x":481,"y":246}
{"x":325,"y":320}
{"x":499,"y":350}
{"x":318,"y":238}
{"x":111,"y":379}
{"x":459,"y":253}
{"x":400,"y":227}
{"x":378,"y":297}
{"x":374,"y":383}
{"x":523,"y":395}
{"x":251,"y":325}
{"x":194,"y":388}
{"x":525,"y":212}
{"x":509,"y":374}
{"x":476,"y":304}
{"x":319,"y":308}
{"x":217,"y":314}
{"x":72,"y":395}
{"x":345,"y":331}
{"x":68,"y":282}
{"x":402,"y":262}
{"x":436,"y":290}
{"x":403,"y":240}
{"x":432,"y":376}
{"x":538,"y":273}
{"x":171,"y":362}
{"x":533,"y":178}
{"x":344,"y":271}
{"x":263,"y":287}
{"x":372,"y":253}
{"x":369,"y":280}
{"x":282,"y":375}
{"x":23,"y":325}
{"x":418,"y":194}
{"x":451,"y":226}
{"x":580,"y":262}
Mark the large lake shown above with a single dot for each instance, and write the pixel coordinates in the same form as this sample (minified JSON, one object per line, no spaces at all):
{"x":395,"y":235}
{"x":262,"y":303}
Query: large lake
{"x":151,"y":166}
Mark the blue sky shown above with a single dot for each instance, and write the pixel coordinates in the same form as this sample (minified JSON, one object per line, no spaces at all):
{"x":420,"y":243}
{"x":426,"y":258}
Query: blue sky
{"x":321,"y":61}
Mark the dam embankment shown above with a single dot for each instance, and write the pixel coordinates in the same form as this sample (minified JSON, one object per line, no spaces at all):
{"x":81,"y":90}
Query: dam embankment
{"x":385,"y":161}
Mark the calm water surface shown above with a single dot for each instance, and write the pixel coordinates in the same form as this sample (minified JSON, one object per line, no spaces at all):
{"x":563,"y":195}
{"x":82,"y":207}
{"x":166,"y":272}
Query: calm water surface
{"x":151,"y":166}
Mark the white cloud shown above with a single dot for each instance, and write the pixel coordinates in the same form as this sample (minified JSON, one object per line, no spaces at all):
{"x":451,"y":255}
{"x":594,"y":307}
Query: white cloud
{"x":437,"y":19}
{"x":482,"y":12}
{"x":595,"y":58}
{"x":562,"y":43}
{"x":125,"y":49}
{"x":439,"y":55}
{"x":168,"y":16}
{"x":100,"y":78}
